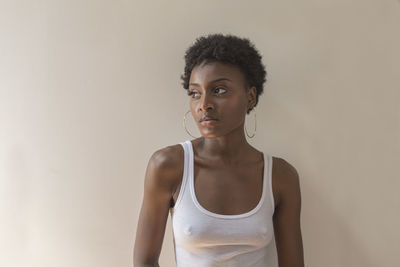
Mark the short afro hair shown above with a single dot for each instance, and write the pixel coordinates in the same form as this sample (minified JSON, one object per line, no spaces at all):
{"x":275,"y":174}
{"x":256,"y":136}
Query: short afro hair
{"x":227,"y":49}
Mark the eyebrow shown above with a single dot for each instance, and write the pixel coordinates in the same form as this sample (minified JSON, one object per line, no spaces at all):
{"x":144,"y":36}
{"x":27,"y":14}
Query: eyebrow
{"x":213,"y":81}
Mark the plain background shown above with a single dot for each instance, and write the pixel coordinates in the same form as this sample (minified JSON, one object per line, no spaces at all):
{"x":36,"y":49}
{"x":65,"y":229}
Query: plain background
{"x":90,"y":89}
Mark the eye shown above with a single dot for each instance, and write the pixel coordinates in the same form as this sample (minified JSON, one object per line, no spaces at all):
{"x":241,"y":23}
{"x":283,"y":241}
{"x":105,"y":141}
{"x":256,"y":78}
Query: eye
{"x":219,"y":88}
{"x":191,"y":93}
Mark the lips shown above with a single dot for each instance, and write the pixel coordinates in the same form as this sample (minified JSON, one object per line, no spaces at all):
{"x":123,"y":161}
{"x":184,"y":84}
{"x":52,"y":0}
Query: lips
{"x":207,"y":118}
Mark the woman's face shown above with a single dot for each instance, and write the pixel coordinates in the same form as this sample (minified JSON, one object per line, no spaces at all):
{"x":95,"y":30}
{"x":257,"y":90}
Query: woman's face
{"x":217,"y":90}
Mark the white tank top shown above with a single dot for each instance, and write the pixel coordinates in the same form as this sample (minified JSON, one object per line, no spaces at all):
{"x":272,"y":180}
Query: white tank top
{"x":206,"y":239}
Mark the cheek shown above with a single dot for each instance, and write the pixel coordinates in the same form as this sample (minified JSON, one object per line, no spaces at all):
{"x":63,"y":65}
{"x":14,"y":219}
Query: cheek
{"x":234,"y":109}
{"x":194,"y":111}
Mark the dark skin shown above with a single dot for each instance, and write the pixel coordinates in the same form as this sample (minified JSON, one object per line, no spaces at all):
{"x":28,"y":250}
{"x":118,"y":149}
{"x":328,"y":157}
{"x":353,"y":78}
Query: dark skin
{"x":228,"y":171}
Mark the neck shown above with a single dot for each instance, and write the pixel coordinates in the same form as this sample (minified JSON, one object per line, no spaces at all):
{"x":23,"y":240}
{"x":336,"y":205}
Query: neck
{"x":228,"y":148}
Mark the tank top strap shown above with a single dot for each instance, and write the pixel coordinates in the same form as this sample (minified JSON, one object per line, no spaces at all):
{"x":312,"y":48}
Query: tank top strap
{"x":268,"y":182}
{"x":186,"y":171}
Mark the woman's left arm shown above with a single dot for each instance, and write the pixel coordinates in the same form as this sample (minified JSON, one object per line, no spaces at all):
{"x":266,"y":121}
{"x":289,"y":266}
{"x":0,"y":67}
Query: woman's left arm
{"x":286,"y":217}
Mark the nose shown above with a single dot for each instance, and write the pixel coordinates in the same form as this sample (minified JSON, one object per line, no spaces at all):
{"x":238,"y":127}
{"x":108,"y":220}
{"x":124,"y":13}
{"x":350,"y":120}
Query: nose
{"x":205,"y":103}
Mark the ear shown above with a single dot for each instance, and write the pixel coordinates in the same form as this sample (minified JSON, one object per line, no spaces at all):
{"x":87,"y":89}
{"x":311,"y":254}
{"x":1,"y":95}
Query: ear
{"x":251,"y":97}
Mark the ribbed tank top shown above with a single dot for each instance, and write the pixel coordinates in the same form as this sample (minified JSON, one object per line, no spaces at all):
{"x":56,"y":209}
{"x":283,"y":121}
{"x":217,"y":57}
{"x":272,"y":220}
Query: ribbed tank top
{"x":206,"y":239}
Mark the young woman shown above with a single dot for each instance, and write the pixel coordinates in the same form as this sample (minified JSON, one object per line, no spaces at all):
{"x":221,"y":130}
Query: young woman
{"x":227,"y":199}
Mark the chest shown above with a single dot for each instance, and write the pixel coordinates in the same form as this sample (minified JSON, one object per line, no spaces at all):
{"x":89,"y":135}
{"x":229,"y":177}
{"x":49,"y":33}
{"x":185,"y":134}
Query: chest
{"x":227,"y":190}
{"x":196,"y":232}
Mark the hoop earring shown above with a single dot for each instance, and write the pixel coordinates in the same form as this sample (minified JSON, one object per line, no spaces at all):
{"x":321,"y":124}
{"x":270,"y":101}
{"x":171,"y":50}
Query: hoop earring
{"x":255,"y":125}
{"x":184,"y":124}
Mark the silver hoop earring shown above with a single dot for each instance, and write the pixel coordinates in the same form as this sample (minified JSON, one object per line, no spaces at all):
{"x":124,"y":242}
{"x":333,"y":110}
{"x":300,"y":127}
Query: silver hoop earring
{"x":184,"y":124}
{"x":255,"y":125}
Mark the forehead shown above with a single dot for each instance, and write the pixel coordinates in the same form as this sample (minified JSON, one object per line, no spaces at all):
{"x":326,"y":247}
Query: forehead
{"x":213,"y":70}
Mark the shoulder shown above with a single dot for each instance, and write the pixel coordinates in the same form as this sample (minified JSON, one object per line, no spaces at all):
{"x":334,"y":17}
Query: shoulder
{"x":167,"y":157}
{"x":166,"y":165}
{"x":285,"y":178}
{"x":286,"y":172}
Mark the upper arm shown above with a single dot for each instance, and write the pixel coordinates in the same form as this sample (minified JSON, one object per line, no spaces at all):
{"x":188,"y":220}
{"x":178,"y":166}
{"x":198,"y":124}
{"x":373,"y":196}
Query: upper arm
{"x":160,"y":178}
{"x":286,"y":218}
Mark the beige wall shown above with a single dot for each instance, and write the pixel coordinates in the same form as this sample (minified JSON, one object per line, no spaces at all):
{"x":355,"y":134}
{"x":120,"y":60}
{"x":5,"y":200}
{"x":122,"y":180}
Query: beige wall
{"x":90,"y":89}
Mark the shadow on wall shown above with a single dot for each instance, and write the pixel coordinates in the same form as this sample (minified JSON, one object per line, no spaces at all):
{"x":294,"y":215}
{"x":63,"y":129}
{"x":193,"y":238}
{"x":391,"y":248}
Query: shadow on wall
{"x":323,"y":228}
